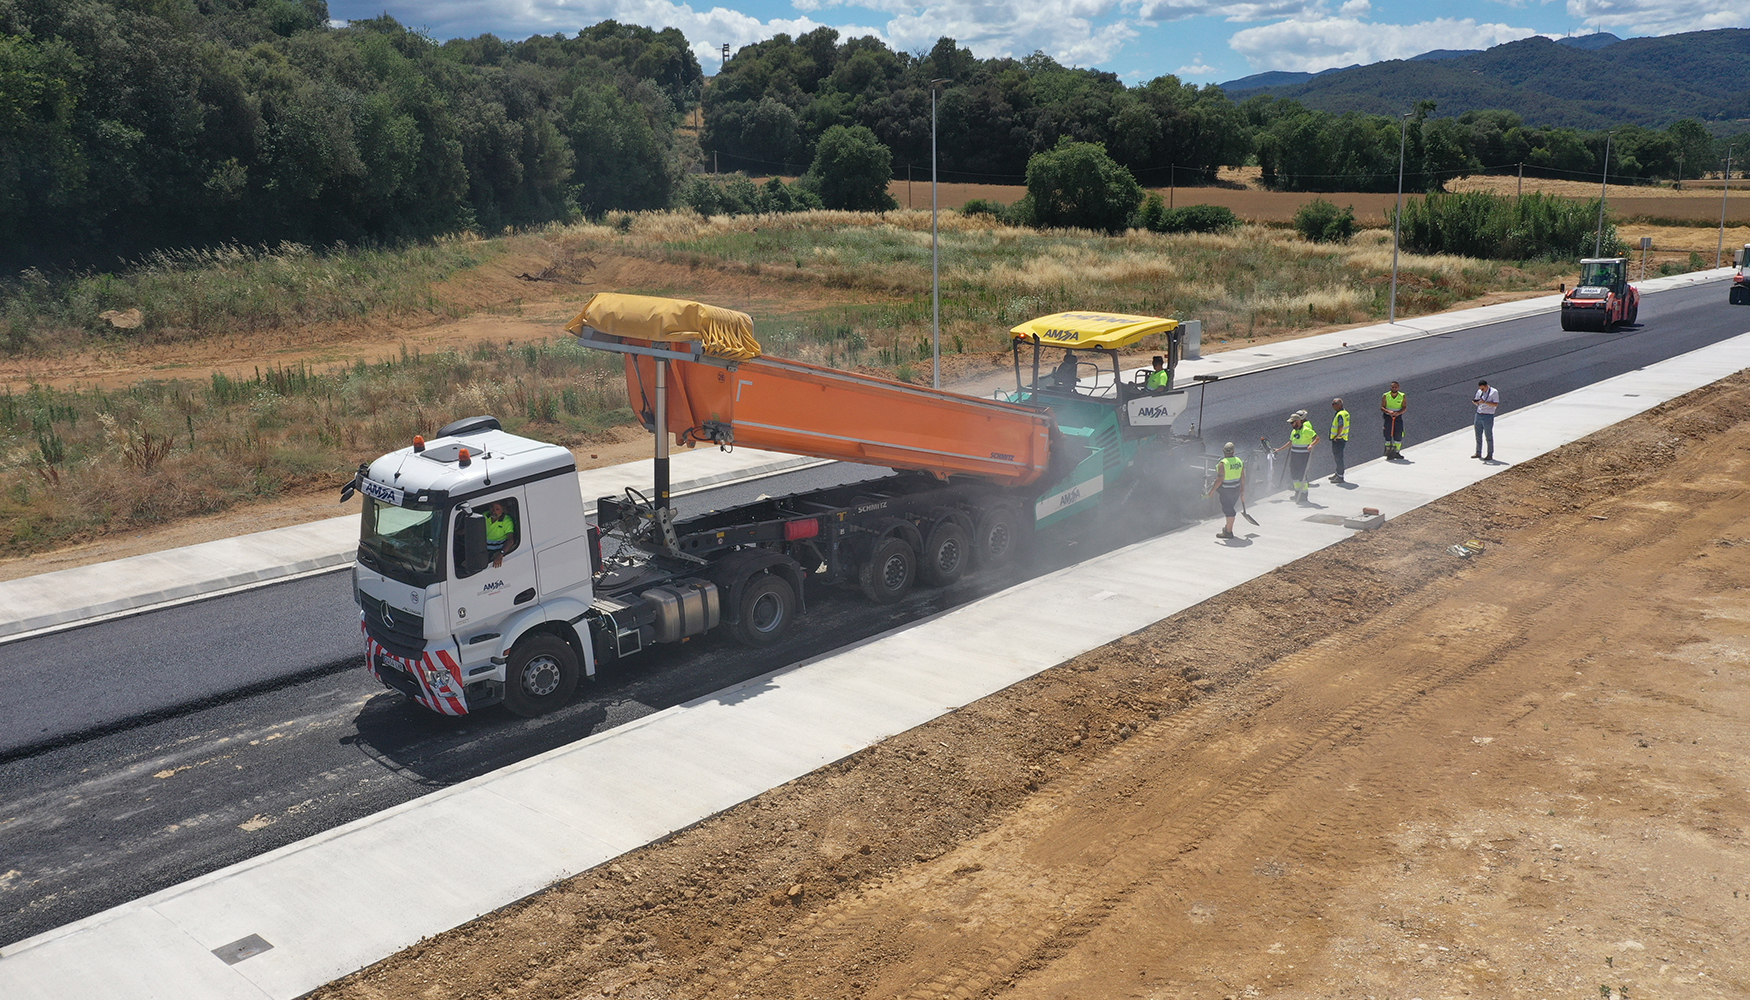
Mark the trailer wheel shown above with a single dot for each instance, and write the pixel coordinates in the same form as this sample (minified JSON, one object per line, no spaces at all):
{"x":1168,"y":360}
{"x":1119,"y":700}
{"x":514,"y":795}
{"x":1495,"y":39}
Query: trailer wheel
{"x":997,"y":536}
{"x":947,"y":551}
{"x":889,"y":571}
{"x":768,"y":605}
{"x":541,"y":675}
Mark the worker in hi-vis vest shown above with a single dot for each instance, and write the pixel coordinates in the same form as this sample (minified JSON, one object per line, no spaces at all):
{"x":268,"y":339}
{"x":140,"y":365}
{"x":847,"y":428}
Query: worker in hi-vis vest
{"x":1301,"y":438}
{"x":1339,"y":436}
{"x":1392,"y":407}
{"x":1230,"y":484}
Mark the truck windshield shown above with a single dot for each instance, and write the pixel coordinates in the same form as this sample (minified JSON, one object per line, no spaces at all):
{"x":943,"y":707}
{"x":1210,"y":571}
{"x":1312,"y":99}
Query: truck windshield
{"x":1598,"y":274}
{"x":400,"y":543}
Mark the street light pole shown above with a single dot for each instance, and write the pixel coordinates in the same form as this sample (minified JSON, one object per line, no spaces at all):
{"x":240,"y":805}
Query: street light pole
{"x":1604,"y":181}
{"x":1720,"y":251}
{"x":935,"y":256}
{"x":1398,"y":219}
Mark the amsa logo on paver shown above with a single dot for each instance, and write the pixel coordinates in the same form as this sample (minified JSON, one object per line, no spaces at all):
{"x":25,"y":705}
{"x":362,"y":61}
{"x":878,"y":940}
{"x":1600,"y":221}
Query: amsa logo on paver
{"x":1059,"y":502}
{"x":1155,"y":411}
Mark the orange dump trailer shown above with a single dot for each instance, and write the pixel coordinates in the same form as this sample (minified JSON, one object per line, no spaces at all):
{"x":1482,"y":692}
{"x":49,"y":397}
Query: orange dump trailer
{"x":724,"y":392}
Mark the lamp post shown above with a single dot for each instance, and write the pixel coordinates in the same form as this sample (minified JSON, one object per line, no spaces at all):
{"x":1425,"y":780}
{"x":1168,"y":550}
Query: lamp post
{"x":1603,"y":183}
{"x":935,"y":256}
{"x":1398,"y":219}
{"x":1720,"y":251}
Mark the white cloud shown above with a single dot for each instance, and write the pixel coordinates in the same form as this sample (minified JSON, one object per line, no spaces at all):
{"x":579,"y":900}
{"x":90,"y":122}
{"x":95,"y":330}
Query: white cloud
{"x":1355,"y":8}
{"x":1156,"y":11}
{"x":1074,"y":32}
{"x":1647,"y":17}
{"x":1316,"y":44}
{"x":1195,"y":69}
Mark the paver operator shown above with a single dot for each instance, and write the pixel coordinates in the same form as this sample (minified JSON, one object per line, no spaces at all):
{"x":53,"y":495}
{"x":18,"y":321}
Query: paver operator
{"x":1339,"y":436}
{"x":1301,"y":438}
{"x":1231,"y":485}
{"x":1393,"y":406}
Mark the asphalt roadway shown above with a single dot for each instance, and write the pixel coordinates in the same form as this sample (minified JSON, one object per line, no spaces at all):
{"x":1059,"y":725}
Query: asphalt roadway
{"x":311,"y":741}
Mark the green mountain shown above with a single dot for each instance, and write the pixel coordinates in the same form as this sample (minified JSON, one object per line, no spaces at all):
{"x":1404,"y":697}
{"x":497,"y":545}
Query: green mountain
{"x":1642,"y":81}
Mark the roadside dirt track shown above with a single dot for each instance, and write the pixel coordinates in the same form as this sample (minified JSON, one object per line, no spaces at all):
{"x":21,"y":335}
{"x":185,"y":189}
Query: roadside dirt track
{"x":1381,"y":771}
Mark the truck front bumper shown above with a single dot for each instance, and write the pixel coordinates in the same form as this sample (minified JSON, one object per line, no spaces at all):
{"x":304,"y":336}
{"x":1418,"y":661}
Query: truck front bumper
{"x":434,"y":679}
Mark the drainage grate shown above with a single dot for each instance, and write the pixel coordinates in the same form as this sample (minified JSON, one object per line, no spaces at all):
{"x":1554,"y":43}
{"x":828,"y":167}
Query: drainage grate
{"x":241,"y":949}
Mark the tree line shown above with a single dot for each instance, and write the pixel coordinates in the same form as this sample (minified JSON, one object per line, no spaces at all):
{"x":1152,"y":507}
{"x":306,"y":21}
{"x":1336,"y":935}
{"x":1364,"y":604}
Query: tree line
{"x":132,"y":125}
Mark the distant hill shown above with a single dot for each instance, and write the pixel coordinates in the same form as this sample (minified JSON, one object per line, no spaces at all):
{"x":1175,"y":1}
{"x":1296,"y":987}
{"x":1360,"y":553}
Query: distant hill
{"x":1587,"y":82}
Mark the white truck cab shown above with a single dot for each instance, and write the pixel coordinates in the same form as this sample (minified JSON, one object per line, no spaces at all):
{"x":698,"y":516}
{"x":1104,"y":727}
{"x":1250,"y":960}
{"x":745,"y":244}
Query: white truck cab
{"x":474,"y":570}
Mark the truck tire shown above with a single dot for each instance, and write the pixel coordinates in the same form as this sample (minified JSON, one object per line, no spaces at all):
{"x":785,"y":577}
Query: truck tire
{"x":997,"y":537}
{"x":1634,"y":310}
{"x":541,"y":675}
{"x":1567,"y":320}
{"x":889,"y":571}
{"x":946,"y":555}
{"x":768,"y":606}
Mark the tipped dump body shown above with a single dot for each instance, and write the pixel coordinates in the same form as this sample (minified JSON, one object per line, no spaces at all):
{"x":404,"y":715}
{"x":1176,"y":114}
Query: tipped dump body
{"x":730,"y":395}
{"x":804,"y":409}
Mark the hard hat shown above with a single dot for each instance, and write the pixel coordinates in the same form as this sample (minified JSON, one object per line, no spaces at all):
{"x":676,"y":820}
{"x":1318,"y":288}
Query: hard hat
{"x":1227,"y":449}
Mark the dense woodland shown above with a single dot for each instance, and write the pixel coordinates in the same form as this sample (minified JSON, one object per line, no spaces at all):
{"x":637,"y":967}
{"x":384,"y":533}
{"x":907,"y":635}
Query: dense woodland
{"x":128,"y":126}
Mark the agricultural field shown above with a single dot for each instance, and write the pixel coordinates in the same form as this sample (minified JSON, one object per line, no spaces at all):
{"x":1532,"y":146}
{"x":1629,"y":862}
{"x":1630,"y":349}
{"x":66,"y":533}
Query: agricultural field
{"x":136,"y":407}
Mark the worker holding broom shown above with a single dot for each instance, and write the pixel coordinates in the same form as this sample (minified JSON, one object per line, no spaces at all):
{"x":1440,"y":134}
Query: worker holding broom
{"x":1231,"y":484}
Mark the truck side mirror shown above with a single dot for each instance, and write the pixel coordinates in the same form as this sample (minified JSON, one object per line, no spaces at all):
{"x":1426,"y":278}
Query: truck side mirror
{"x":473,"y":556}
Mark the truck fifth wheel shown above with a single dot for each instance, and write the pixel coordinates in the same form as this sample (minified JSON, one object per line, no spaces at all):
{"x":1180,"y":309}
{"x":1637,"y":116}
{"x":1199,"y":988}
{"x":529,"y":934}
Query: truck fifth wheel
{"x":480,"y":580}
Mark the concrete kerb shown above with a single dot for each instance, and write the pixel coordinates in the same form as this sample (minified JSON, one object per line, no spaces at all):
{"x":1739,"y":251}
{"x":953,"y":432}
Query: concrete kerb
{"x":355,"y":894}
{"x":82,"y":595}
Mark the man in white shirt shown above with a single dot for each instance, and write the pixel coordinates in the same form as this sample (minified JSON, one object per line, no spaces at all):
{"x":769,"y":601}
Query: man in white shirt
{"x":1487,"y":401}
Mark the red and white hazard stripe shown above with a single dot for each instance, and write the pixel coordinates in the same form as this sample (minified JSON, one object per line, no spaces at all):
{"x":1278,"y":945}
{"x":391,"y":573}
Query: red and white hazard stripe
{"x":439,"y":679}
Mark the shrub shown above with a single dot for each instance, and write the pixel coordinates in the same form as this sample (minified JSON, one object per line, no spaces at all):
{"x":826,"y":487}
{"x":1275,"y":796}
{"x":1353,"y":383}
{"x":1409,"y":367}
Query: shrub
{"x":851,"y":170}
{"x":982,"y":206}
{"x":1078,"y":185}
{"x":1488,"y":226}
{"x":1322,"y":222}
{"x":735,"y":194}
{"x":1157,"y":218}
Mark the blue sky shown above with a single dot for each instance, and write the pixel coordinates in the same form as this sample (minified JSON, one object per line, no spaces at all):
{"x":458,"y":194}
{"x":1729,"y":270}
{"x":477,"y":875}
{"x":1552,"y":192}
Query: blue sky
{"x":1201,"y":41}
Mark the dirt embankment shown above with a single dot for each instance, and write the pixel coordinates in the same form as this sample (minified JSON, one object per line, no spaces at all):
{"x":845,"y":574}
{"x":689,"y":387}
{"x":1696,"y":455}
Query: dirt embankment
{"x":1381,"y":771}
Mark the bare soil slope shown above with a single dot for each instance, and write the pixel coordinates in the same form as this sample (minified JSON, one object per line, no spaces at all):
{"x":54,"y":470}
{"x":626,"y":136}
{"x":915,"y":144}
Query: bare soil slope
{"x":1382,"y":771}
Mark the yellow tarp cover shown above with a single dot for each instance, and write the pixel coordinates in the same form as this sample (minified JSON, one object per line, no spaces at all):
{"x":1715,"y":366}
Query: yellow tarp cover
{"x":1089,"y":330}
{"x":725,"y":333}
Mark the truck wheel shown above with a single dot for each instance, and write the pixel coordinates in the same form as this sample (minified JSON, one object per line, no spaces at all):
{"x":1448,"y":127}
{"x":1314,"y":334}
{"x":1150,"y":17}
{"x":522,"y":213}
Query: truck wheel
{"x":997,"y":537}
{"x":1633,"y":311}
{"x":889,"y":571}
{"x":541,"y":675}
{"x":947,"y":551}
{"x":767,"y":607}
{"x":1567,"y":320}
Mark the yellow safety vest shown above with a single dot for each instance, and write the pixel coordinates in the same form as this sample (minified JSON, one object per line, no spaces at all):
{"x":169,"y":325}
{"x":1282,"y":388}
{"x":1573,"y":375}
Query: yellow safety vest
{"x":497,"y":530}
{"x":1231,"y":469}
{"x":1394,"y":401}
{"x":1302,"y":439}
{"x":1159,"y":380}
{"x":1340,"y":426}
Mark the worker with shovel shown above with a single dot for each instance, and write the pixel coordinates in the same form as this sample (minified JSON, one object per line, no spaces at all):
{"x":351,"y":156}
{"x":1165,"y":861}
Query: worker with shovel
{"x":1231,"y":484}
{"x":1301,"y":438}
